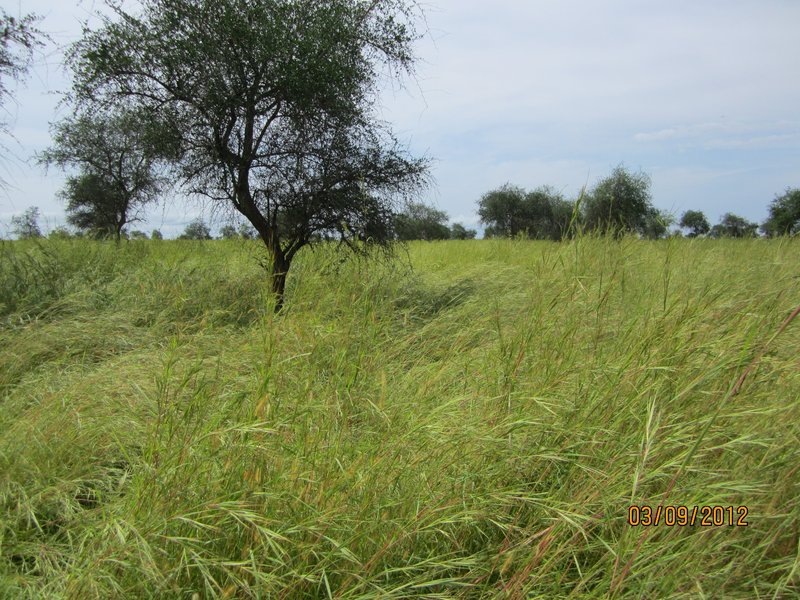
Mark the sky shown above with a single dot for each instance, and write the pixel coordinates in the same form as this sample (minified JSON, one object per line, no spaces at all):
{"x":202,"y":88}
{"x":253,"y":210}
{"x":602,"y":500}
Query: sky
{"x":702,"y":96}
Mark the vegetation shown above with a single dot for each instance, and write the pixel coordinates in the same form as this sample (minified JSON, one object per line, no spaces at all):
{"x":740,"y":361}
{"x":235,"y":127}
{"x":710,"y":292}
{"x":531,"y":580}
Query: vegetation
{"x":421,"y":222}
{"x":510,"y":211}
{"x":270,"y":106}
{"x":731,"y":225}
{"x":230,"y":232}
{"x":196,"y":230}
{"x":621,"y":203}
{"x":26,"y":225}
{"x":476,"y":427}
{"x":784,"y":214}
{"x":459,"y":232}
{"x":118,"y":155}
{"x":695,"y":221}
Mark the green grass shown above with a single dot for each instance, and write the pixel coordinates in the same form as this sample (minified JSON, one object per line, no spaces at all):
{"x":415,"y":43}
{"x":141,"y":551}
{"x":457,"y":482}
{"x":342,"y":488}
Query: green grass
{"x":472,"y":421}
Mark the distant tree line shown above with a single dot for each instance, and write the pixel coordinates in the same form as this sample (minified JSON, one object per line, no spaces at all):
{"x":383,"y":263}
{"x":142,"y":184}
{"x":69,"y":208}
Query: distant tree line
{"x":618,"y":204}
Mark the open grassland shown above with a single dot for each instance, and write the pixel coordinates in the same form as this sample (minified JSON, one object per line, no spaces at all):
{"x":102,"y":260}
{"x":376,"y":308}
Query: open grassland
{"x":472,"y":421}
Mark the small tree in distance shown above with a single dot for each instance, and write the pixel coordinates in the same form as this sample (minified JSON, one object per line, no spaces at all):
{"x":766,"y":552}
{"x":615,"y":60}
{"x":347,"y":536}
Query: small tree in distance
{"x":459,"y":232}
{"x":509,"y":211}
{"x":26,"y":225}
{"x":421,"y":222}
{"x":620,"y":203}
{"x":118,"y":155}
{"x":784,"y":214}
{"x":695,"y":221}
{"x":196,"y":230}
{"x":228,"y":232}
{"x":156,"y":235}
{"x":731,"y":225}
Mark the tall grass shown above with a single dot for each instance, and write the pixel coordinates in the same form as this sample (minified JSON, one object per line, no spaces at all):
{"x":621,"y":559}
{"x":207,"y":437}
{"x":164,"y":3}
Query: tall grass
{"x":471,"y":422}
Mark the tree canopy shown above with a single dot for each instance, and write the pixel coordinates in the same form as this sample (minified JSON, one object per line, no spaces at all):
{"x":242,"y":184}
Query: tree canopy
{"x":26,"y":225}
{"x":540,"y":214}
{"x":621,"y":203}
{"x":421,"y":222}
{"x":270,"y":103}
{"x":784,"y":214}
{"x":731,"y":225}
{"x":196,"y":230}
{"x":118,"y":154}
{"x":695,"y":221}
{"x":459,"y":232}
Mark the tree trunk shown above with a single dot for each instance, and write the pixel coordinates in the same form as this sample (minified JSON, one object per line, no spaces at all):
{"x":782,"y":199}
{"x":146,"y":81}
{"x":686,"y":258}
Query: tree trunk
{"x":280,"y":268}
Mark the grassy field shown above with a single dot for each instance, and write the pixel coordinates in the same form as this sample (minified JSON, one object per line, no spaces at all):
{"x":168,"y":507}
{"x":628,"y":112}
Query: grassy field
{"x":472,"y":421}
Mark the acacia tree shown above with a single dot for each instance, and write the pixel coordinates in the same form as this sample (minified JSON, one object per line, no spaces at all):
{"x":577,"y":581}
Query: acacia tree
{"x":118,"y":155}
{"x":270,"y":103}
{"x":541,"y":214}
{"x":620,"y":203}
{"x":695,"y":221}
{"x":421,"y":222}
{"x":26,"y":225}
{"x":731,"y":225}
{"x":784,"y":214}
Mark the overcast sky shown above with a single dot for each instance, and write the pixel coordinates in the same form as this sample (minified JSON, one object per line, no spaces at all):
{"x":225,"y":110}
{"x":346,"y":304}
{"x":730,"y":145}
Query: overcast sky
{"x":701,"y":95}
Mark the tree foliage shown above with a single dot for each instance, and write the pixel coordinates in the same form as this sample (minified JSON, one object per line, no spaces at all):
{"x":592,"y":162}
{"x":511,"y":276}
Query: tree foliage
{"x":696,"y":222}
{"x":118,"y":155}
{"x":621,"y":203}
{"x":459,"y":232}
{"x":26,"y":225}
{"x":196,"y":230}
{"x":731,"y":225}
{"x":510,"y":211}
{"x":271,"y":105}
{"x":421,"y":222}
{"x":784,"y":214}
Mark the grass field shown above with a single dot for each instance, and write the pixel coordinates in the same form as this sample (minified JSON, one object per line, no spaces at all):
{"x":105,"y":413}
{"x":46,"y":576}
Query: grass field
{"x":471,"y":421}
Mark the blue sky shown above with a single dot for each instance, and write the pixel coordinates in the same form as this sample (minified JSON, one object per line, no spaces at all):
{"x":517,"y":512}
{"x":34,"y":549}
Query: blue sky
{"x":702,"y":96}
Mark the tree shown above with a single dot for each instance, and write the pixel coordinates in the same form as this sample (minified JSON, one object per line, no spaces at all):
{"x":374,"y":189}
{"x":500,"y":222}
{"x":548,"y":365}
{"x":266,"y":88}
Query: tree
{"x":656,"y":224}
{"x":156,"y":235}
{"x":271,"y":105}
{"x":136,"y":234}
{"x":246,"y":232}
{"x":784,"y":214}
{"x":731,"y":225}
{"x":619,"y":203}
{"x":228,"y":232}
{"x":547,"y":214}
{"x":541,"y":214}
{"x":421,"y":222}
{"x":459,"y":232}
{"x":196,"y":230}
{"x":60,"y":233}
{"x":92,"y":206}
{"x":503,"y":211}
{"x":26,"y":225}
{"x":695,"y":221}
{"x":118,"y":155}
